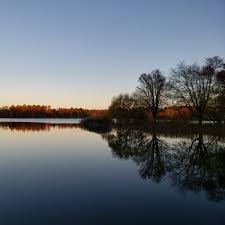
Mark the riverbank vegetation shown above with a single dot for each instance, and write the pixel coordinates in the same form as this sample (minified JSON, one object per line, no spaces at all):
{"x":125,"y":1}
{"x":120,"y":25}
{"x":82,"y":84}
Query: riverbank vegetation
{"x":188,"y":92}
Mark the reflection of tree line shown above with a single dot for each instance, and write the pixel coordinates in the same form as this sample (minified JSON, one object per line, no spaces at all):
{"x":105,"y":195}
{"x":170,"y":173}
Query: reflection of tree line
{"x":194,"y":165}
{"x":34,"y":126}
{"x":153,"y":163}
{"x":197,"y":164}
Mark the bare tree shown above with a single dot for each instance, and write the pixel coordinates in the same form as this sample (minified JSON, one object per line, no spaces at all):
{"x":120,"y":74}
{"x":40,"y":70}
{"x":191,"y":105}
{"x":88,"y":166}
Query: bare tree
{"x":195,"y":86}
{"x":151,"y":92}
{"x":221,"y":77}
{"x":217,"y":109}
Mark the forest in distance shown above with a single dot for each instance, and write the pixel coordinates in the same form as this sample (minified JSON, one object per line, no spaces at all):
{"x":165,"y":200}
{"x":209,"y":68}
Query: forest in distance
{"x":42,"y":111}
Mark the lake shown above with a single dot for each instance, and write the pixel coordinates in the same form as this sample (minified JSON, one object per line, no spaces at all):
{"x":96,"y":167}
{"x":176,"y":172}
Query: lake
{"x":59,"y":173}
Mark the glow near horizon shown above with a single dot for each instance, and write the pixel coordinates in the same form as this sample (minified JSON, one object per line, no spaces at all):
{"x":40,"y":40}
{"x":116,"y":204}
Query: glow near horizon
{"x":82,"y":53}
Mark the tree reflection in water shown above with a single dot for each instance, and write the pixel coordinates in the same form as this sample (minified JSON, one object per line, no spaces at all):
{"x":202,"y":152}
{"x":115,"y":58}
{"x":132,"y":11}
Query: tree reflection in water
{"x":153,"y":159}
{"x":197,"y":164}
{"x":193,"y":164}
{"x":149,"y":152}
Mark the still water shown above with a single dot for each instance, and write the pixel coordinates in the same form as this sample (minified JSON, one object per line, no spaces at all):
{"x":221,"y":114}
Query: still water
{"x":62,"y":174}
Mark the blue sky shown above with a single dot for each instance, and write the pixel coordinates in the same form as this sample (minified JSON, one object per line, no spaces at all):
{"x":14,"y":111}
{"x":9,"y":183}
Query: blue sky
{"x":81,"y":53}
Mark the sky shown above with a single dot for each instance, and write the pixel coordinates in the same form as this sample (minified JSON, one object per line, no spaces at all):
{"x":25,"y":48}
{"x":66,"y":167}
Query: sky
{"x":81,"y":53}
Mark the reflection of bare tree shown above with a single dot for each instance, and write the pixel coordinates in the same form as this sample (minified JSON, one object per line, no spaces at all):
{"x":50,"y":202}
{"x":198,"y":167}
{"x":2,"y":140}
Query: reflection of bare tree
{"x":193,"y":165}
{"x":147,"y":151}
{"x":125,"y":143}
{"x":152,"y":160}
{"x":200,"y":166}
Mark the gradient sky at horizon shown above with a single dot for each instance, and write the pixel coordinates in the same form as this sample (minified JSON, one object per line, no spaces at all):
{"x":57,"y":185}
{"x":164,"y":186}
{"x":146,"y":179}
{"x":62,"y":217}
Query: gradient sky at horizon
{"x":82,"y":53}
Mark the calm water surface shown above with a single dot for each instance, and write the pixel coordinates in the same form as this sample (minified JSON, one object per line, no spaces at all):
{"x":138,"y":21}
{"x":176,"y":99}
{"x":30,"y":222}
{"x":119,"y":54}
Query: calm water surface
{"x":62,"y":174}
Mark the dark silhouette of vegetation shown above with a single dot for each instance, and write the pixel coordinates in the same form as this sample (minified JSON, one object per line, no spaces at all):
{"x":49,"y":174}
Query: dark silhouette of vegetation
{"x":221,"y":76}
{"x":125,"y":110}
{"x":37,"y":111}
{"x":97,"y":124}
{"x":191,"y":92}
{"x":217,"y":110}
{"x":196,"y":86}
{"x":151,"y":93}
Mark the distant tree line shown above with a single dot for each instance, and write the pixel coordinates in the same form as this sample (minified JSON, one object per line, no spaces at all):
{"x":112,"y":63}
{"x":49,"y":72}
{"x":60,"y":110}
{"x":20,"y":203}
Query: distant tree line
{"x":188,"y":92}
{"x":41,"y":111}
